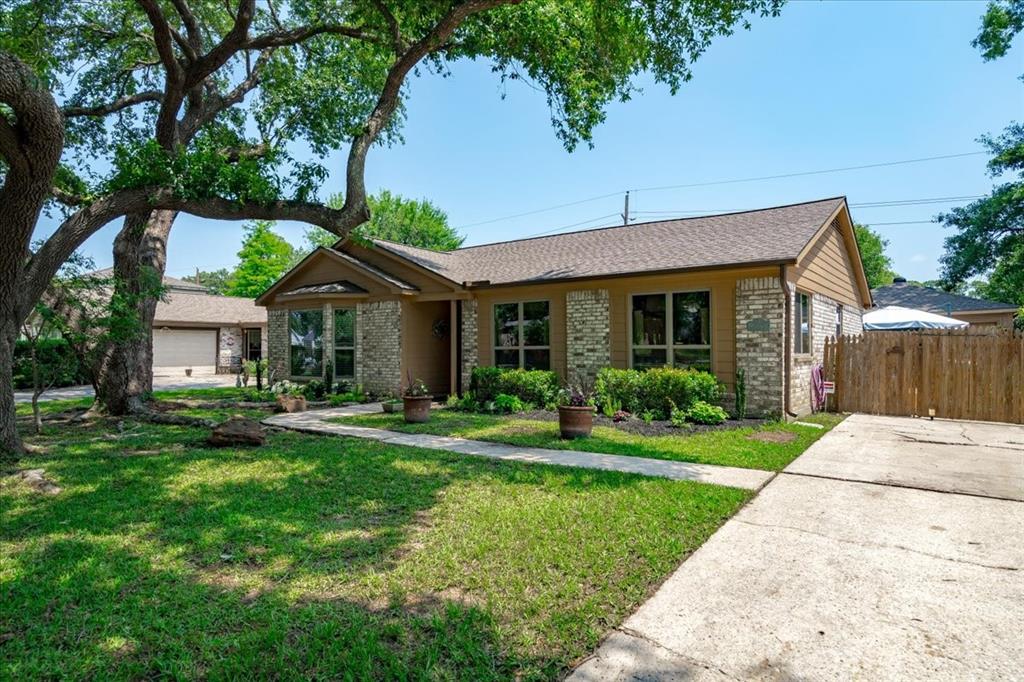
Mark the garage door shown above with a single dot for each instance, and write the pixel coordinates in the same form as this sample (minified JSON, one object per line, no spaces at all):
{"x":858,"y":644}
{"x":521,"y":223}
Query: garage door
{"x":195,"y":348}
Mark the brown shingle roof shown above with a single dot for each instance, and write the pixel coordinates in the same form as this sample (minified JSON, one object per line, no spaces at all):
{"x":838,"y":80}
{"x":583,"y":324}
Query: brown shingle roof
{"x":763,"y":236}
{"x":932,"y":300}
{"x":198,"y":308}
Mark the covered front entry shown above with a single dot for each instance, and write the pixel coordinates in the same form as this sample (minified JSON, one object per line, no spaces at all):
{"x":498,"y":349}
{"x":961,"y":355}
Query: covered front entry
{"x":427,"y":349}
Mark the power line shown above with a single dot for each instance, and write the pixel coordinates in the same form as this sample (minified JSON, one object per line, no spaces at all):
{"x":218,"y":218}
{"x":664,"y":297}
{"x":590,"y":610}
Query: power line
{"x":870,"y":204}
{"x":721,"y":182}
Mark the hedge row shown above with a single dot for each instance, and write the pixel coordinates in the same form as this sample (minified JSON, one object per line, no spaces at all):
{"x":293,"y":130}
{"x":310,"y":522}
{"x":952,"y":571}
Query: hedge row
{"x":535,"y":386}
{"x":656,"y":390}
{"x":54,"y":357}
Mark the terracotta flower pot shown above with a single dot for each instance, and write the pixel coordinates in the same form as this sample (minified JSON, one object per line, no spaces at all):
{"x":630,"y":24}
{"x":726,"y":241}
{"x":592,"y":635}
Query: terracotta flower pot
{"x":417,"y":408}
{"x":575,"y":422}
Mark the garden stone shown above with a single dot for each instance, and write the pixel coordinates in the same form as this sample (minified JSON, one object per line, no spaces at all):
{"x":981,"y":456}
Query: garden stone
{"x":35,"y":479}
{"x":237,"y":431}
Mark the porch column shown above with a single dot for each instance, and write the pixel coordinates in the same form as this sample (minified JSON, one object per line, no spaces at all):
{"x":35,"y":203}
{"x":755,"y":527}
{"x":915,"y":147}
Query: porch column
{"x":470,"y":351}
{"x":379,"y":347}
{"x":587,"y":334}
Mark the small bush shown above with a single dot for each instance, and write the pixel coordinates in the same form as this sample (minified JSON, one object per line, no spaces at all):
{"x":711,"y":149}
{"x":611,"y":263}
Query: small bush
{"x":56,"y":362}
{"x":703,"y":413}
{"x":314,"y":390}
{"x":508,"y":403}
{"x":538,"y":387}
{"x":610,"y":407}
{"x":467,"y":403}
{"x":656,"y":390}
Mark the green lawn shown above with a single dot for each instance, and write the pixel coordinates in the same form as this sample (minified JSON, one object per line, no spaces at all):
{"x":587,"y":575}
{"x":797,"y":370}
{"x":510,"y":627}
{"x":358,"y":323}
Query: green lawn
{"x":730,"y":448}
{"x":323,"y":557}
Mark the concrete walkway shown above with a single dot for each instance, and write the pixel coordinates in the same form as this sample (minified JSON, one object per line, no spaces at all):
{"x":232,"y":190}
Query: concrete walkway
{"x":160,"y":383}
{"x":862,"y":560}
{"x":315,"y":421}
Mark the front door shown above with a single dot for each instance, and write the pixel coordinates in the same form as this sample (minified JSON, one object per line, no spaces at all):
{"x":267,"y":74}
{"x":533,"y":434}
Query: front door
{"x":253,"y":344}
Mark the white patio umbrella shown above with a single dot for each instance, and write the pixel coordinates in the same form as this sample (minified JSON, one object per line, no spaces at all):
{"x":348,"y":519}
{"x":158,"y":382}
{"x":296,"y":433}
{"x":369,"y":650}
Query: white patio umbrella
{"x":895,"y":318}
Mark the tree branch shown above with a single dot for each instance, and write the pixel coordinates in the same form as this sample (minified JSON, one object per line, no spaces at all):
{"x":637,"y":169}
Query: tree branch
{"x":214,"y":103}
{"x":232,"y":43}
{"x":398,"y":43}
{"x":10,"y":148}
{"x":116,"y":105}
{"x":297,"y":35}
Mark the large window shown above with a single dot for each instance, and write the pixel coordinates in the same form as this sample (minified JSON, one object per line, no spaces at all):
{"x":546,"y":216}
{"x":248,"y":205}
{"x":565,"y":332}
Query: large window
{"x":306,"y":329}
{"x":522,"y":335}
{"x":345,"y":343}
{"x":672,"y":329}
{"x":802,"y":324}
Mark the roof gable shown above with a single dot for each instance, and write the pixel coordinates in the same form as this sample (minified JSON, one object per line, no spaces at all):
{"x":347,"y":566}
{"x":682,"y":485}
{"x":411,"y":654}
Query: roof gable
{"x":325,"y":266}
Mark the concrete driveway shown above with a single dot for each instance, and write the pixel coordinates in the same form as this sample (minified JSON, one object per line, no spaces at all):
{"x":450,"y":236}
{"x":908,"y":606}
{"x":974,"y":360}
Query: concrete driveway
{"x":892,"y":549}
{"x":160,"y":383}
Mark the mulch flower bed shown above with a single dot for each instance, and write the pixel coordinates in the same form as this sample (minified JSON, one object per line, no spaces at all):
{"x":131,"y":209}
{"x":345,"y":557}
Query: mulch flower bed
{"x":654,"y":428}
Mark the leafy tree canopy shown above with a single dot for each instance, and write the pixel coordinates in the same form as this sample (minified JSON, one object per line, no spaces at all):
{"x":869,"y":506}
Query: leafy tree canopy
{"x":217,"y":282}
{"x":416,"y":222}
{"x":263,"y":258}
{"x":877,"y":264}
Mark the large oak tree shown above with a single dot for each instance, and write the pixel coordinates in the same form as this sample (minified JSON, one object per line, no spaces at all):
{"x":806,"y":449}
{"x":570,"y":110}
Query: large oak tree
{"x":192,"y":105}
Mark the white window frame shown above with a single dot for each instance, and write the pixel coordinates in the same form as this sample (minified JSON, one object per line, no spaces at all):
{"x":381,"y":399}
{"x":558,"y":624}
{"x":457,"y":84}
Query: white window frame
{"x":798,"y":348}
{"x":669,"y":347}
{"x":521,"y":347}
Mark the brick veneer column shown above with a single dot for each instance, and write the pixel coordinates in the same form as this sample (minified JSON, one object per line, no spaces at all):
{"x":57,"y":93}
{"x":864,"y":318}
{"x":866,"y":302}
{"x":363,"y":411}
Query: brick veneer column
{"x":588,"y":333}
{"x":379,"y":350}
{"x":277,"y":343}
{"x":760,"y":318}
{"x":470,"y":351}
{"x":328,"y":340}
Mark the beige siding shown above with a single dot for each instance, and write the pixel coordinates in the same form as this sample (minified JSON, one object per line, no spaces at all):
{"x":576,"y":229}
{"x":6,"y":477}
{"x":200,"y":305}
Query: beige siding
{"x":721,"y":283}
{"x":827,"y":269}
{"x":388,"y":263}
{"x":323,"y":269}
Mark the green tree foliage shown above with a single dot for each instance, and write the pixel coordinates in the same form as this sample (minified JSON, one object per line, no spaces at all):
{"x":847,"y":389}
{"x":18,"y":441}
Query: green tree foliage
{"x":263,"y":258}
{"x":877,"y":265}
{"x":416,"y":222}
{"x":217,"y":282}
{"x":989,"y":239}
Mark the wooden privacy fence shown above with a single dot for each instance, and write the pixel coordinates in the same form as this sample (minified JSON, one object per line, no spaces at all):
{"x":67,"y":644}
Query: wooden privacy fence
{"x":960,"y":374}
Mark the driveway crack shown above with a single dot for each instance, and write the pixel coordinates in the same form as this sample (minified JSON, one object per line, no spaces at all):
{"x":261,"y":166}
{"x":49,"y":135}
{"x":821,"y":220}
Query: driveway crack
{"x":880,"y":545}
{"x":636,"y":634}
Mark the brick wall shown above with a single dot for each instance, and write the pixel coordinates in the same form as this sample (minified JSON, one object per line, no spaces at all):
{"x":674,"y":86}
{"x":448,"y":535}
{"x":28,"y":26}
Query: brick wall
{"x":588,"y":333}
{"x":470,"y":351}
{"x":379,"y":353}
{"x":277,"y":343}
{"x":229,"y":353}
{"x":760,"y":318}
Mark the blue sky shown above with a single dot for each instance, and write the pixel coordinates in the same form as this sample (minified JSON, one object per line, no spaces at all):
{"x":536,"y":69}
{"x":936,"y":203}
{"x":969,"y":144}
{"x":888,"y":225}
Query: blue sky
{"x":825,"y":85}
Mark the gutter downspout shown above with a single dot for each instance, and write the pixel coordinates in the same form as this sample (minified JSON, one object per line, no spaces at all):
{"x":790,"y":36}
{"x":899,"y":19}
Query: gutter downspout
{"x":786,"y":346}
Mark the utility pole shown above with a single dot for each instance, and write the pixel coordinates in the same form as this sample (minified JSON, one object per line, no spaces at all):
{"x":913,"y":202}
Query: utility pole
{"x":625,"y":212}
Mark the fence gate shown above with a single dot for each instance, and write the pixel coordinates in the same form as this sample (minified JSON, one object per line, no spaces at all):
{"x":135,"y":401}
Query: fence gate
{"x":960,"y":374}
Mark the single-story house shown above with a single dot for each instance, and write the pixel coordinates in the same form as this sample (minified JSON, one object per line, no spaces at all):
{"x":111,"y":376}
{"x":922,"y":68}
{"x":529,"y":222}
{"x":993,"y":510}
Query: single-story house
{"x":976,"y":311}
{"x":210,"y":334}
{"x":756,"y":290}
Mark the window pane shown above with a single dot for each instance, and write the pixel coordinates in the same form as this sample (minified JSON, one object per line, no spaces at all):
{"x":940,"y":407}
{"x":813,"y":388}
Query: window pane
{"x":691,"y":318}
{"x":696,"y":358}
{"x":649,"y":320}
{"x":536,"y":324}
{"x":345,"y":363}
{"x":537,"y":358}
{"x":645,"y":358}
{"x":803,"y":318}
{"x":506,"y":325}
{"x":306,"y":329}
{"x":345,"y":327}
{"x":506,"y":359}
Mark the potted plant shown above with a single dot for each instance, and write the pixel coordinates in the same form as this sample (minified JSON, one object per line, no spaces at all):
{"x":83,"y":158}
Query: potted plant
{"x":416,"y":402}
{"x":576,"y":412}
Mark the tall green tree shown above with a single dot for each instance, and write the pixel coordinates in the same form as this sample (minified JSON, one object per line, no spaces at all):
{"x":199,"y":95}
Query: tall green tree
{"x":263,"y":258}
{"x":877,"y":264}
{"x":193,"y":105}
{"x":217,"y":282}
{"x":989,"y":239}
{"x":416,"y":222}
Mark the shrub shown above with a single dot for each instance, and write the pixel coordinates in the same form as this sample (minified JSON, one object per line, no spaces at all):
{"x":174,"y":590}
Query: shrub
{"x":703,"y":413}
{"x":535,"y":386}
{"x":741,"y":393}
{"x":504,"y":402}
{"x":610,"y":406}
{"x":314,"y":390}
{"x":656,"y":390}
{"x":467,"y":403}
{"x":55,"y":362}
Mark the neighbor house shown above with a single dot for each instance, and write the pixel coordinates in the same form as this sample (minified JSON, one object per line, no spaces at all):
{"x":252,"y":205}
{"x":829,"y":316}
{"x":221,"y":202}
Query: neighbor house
{"x":196,"y":330}
{"x":977,"y":311}
{"x":756,"y":290}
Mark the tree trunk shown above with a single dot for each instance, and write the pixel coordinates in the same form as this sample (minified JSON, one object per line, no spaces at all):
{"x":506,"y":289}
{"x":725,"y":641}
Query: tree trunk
{"x":10,"y":444}
{"x":125,"y":376}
